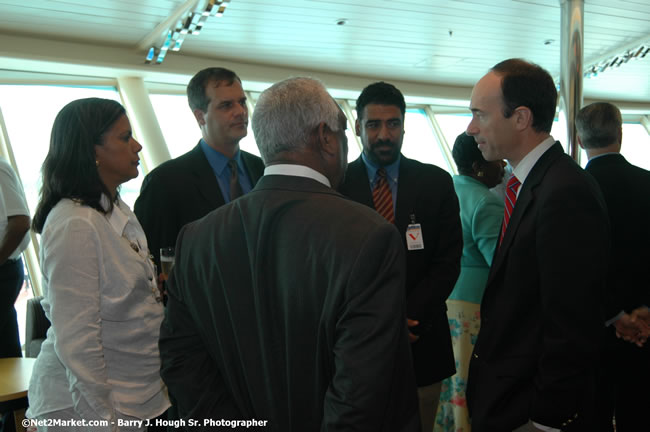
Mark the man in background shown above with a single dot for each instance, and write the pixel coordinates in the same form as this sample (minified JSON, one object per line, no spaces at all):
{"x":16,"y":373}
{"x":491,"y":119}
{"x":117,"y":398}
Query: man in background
{"x":535,"y":360}
{"x":626,"y":366}
{"x":14,"y":238}
{"x":419,"y":199}
{"x":211,"y":174}
{"x":287,"y":305}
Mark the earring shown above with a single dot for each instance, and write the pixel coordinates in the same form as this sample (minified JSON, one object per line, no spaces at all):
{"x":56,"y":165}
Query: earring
{"x":480,"y":173}
{"x":96,"y":162}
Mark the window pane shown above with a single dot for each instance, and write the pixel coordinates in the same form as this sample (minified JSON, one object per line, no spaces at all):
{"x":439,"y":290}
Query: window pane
{"x":419,"y":140}
{"x":26,"y":292}
{"x":636,"y":145}
{"x":248,"y":142}
{"x":453,"y":125}
{"x":353,"y":148}
{"x":177,"y":122}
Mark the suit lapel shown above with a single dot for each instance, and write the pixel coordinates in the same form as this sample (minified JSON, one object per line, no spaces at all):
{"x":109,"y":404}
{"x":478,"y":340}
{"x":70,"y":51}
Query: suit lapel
{"x":525,"y":199}
{"x":253,"y":174}
{"x":357,"y":185}
{"x":206,"y":181}
{"x":406,"y":193}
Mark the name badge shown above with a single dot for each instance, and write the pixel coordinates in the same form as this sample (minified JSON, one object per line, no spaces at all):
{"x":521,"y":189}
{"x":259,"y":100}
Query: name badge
{"x":414,"y":239}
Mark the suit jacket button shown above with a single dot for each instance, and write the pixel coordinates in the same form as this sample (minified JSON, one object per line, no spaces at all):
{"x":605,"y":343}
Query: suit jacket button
{"x":475,"y":356}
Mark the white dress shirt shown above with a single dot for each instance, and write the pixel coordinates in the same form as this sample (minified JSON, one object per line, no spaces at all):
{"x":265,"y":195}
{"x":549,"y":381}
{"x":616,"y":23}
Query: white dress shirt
{"x":524,"y":167}
{"x":298,"y":171}
{"x":12,"y":203}
{"x":100,"y":293}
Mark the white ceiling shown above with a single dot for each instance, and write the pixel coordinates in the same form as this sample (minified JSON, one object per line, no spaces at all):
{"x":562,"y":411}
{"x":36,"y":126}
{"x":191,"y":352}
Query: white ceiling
{"x":434,"y":43}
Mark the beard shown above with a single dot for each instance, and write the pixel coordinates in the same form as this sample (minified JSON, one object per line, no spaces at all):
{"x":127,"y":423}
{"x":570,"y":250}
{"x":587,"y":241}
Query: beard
{"x":384,"y":152}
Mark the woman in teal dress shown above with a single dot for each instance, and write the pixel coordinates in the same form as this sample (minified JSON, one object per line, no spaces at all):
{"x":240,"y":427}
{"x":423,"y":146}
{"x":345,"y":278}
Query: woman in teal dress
{"x":481,"y":213}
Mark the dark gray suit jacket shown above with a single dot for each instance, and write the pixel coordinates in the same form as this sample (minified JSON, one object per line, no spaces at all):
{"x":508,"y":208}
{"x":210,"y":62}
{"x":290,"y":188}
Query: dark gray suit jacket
{"x":541,"y":314}
{"x":288,"y":305}
{"x":426,"y":192}
{"x":626,"y":189}
{"x":180,"y":191}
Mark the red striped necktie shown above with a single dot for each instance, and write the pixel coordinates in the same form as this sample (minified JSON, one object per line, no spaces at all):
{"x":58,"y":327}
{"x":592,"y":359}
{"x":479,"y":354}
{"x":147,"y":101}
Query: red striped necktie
{"x":382,"y":198}
{"x":511,"y":198}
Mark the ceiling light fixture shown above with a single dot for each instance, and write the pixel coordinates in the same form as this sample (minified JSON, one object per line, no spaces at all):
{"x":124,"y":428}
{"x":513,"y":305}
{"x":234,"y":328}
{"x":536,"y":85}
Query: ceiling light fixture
{"x":617,"y":60}
{"x":190,"y":23}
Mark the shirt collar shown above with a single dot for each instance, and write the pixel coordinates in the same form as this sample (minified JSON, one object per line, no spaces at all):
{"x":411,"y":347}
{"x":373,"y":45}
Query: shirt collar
{"x":528,"y":162}
{"x":392,"y":170}
{"x":217,"y":160}
{"x":296,"y":170}
{"x":603,"y":154}
{"x":118,"y":218}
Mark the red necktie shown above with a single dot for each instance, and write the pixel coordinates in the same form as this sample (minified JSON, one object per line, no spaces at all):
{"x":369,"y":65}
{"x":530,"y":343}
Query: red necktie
{"x":511,"y":198}
{"x":382,"y":198}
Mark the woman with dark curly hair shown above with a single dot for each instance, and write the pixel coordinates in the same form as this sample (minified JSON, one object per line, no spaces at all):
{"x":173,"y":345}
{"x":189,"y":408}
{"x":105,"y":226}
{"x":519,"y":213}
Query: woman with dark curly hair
{"x":100,"y":361}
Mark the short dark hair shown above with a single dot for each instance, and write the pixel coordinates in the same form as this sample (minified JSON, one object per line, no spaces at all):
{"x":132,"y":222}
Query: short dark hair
{"x":599,"y":125}
{"x":527,"y":84}
{"x":69,"y":170}
{"x":196,"y":88}
{"x":465,"y":153}
{"x":380,"y":93}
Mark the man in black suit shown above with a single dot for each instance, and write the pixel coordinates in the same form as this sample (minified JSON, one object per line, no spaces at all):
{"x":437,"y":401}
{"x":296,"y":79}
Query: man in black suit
{"x":189,"y":187}
{"x":287,"y":305}
{"x":535,"y":359}
{"x":626,"y":366}
{"x":421,"y":202}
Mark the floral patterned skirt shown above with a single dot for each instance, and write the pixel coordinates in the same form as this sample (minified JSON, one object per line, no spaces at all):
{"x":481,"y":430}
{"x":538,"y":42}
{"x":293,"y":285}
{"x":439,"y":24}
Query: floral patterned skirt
{"x":464,"y":323}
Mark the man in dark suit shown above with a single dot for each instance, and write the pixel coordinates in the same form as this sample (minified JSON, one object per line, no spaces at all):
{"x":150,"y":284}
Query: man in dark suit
{"x":189,"y":187}
{"x":626,"y":366}
{"x":287,"y":305}
{"x":420,"y":200}
{"x":534,"y":362}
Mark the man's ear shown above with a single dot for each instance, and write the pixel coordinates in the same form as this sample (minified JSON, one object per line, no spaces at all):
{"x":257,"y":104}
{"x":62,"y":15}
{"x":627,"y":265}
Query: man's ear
{"x":326,"y":139}
{"x":199,"y":116}
{"x":357,"y":127}
{"x":523,"y":117}
{"x":579,"y":141}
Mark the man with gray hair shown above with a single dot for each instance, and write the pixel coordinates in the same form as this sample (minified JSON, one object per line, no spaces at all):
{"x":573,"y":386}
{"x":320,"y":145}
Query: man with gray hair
{"x":286,"y":306}
{"x":625,"y":189}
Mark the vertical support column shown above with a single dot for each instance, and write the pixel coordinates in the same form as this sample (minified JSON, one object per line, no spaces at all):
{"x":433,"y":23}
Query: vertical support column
{"x":645,"y":121}
{"x":442,"y":141}
{"x":143,"y":120}
{"x":571,"y":64}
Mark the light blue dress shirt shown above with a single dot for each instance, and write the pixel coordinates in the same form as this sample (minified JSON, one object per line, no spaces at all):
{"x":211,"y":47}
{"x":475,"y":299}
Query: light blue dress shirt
{"x":219,"y":163}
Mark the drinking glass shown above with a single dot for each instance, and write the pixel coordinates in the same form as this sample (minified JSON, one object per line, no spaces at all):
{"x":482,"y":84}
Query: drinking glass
{"x":166,"y":261}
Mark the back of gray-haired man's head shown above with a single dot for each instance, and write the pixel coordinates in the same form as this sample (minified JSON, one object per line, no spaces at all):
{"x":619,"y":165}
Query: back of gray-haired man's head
{"x":287,"y":114}
{"x":599,"y":125}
